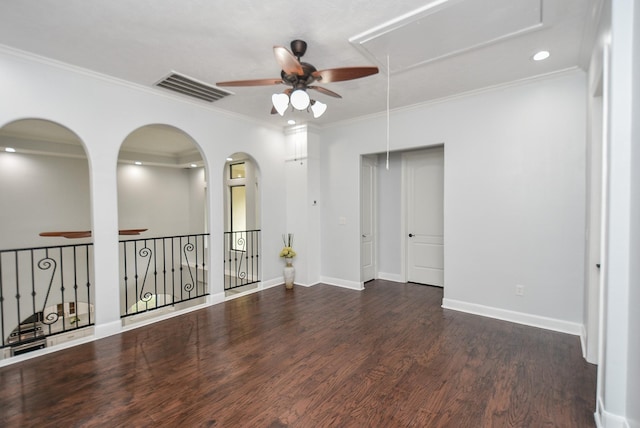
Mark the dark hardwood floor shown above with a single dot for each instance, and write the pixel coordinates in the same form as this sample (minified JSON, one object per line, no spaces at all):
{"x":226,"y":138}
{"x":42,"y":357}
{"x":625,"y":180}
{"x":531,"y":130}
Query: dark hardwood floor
{"x":323,"y":356}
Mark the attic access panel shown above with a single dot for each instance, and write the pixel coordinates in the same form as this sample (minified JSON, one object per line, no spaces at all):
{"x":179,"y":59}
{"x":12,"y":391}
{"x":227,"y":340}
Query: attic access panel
{"x":444,"y":28}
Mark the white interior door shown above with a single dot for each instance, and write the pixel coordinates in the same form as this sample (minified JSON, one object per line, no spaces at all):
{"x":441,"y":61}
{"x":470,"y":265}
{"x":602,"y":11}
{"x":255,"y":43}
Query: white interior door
{"x":425,"y":216}
{"x":367,"y":220}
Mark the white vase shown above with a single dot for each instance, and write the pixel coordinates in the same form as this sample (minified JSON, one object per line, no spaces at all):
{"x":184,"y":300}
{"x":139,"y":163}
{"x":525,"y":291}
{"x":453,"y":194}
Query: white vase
{"x":289,"y":273}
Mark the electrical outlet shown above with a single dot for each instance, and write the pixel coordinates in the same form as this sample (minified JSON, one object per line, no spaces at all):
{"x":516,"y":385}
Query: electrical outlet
{"x":519,"y":290}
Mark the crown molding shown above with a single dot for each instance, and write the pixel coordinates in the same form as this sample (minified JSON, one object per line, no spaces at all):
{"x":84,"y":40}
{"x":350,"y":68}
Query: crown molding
{"x":32,"y":57}
{"x":461,"y":95}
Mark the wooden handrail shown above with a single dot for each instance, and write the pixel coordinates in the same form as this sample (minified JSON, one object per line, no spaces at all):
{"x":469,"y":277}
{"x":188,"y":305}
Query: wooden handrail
{"x":75,"y":234}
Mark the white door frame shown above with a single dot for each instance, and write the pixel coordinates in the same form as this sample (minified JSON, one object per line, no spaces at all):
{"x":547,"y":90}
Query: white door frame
{"x":404,"y":211}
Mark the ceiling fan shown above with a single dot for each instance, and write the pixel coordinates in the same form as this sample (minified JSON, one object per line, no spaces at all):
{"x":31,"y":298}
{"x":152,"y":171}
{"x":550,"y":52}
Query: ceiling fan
{"x":301,"y":76}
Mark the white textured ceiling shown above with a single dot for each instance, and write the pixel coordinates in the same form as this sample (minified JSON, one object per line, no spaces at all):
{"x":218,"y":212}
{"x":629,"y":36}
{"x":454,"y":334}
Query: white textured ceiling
{"x":143,"y":40}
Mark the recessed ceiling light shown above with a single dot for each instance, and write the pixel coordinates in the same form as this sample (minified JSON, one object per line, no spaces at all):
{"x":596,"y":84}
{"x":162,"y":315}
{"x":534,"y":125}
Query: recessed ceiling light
{"x":10,"y":149}
{"x":291,"y":122}
{"x":193,"y":165}
{"x":138,"y":163}
{"x":229,"y":159}
{"x":541,"y":55}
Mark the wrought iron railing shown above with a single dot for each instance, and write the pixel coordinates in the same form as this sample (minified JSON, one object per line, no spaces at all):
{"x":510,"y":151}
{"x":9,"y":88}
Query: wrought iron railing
{"x":162,"y":272}
{"x":44,"y":291}
{"x":241,"y":258}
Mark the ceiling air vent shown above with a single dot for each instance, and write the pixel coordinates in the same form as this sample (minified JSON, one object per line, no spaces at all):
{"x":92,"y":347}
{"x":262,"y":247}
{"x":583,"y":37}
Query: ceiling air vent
{"x":191,"y":87}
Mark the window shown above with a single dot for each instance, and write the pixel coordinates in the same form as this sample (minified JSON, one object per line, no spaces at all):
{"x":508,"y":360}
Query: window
{"x":238,"y":209}
{"x":236,"y":170}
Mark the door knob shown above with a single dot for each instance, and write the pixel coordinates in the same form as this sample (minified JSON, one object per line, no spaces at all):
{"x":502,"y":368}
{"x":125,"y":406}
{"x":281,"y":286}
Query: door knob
{"x":411,"y":235}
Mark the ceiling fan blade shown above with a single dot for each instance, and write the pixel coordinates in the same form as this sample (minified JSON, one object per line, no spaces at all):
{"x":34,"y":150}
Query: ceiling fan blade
{"x":344,"y":73}
{"x":325,"y":91}
{"x":254,"y":82}
{"x":287,"y":61}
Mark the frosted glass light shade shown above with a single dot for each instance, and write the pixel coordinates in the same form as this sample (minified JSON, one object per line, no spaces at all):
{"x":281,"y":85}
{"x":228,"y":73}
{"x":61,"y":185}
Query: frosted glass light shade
{"x":300,"y":99}
{"x":280,"y":102}
{"x":318,"y":109}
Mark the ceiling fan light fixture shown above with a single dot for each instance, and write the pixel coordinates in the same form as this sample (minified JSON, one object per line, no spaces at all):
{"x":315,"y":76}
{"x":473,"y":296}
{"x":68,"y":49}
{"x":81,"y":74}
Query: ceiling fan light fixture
{"x":318,"y":109}
{"x":300,"y":99}
{"x":280,"y":102}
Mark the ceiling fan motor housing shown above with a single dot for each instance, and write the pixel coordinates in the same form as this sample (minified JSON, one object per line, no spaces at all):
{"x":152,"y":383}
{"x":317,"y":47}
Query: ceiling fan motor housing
{"x":304,"y":79}
{"x":298,"y":48}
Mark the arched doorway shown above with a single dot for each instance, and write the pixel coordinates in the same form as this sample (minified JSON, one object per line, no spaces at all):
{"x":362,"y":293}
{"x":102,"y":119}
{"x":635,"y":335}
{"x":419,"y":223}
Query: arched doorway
{"x":46,"y":253}
{"x":162,"y":197}
{"x":241,"y":177}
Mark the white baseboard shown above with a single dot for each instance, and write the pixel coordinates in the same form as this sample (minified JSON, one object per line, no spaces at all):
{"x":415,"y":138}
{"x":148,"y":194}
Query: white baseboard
{"x":512,"y":316}
{"x":242,"y":294}
{"x":214,"y":299}
{"x":305,"y":285}
{"x":583,"y":341}
{"x":164,"y":316}
{"x":353,"y":285}
{"x":48,"y":350}
{"x":395,"y":277}
{"x":271,"y":283}
{"x":107,"y":329}
{"x":605,"y":419}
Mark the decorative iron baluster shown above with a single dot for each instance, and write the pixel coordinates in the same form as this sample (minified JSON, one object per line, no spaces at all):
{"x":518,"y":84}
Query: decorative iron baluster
{"x":75,"y":286}
{"x":44,"y":265}
{"x":188,"y":287}
{"x":2,"y":333}
{"x":171,"y":284}
{"x":145,"y":252}
{"x":88,"y":265}
{"x":42,"y":275}
{"x":241,"y":244}
{"x":240,"y":261}
{"x":164,"y":265}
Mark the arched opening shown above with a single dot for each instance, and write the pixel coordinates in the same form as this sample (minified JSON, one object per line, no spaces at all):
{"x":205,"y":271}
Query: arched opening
{"x":46,"y":254}
{"x":164,"y":243}
{"x":241,"y":177}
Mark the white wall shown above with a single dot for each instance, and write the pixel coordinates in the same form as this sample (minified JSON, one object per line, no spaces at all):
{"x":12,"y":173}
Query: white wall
{"x":197,"y":200}
{"x":103,"y":112}
{"x":514,"y":193}
{"x":160,"y":200}
{"x":41,"y":194}
{"x":49,"y":193}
